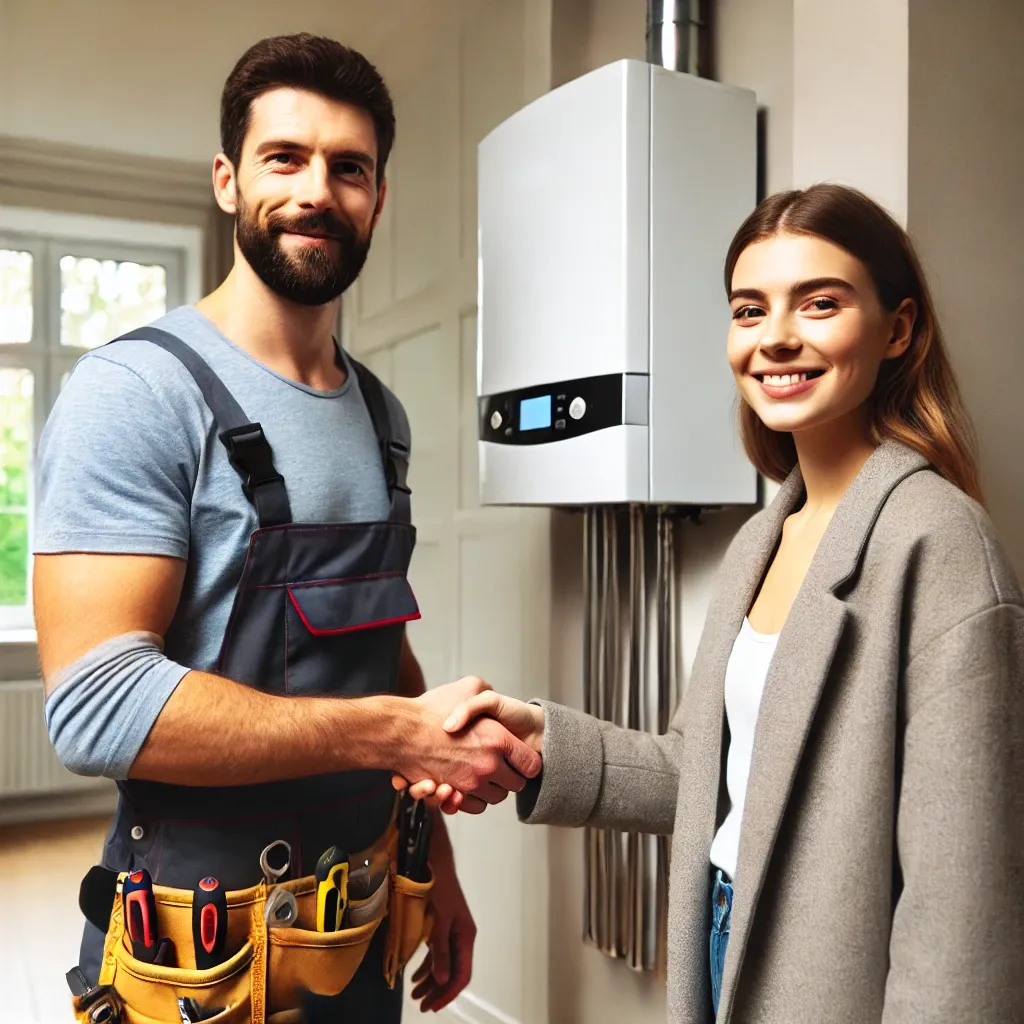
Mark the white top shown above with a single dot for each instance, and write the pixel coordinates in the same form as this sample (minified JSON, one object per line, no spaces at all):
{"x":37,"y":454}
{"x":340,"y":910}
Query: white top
{"x":744,"y":683}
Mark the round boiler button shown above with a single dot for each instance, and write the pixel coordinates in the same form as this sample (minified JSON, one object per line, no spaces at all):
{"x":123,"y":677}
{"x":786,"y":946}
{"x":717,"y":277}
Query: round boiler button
{"x":577,"y":407}
{"x":495,"y":420}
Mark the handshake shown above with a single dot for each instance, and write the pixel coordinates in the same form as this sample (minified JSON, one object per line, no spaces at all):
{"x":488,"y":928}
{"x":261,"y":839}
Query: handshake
{"x":472,"y":747}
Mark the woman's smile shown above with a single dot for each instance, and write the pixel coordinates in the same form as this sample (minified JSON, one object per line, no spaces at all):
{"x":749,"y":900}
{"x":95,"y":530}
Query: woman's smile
{"x":790,"y":384}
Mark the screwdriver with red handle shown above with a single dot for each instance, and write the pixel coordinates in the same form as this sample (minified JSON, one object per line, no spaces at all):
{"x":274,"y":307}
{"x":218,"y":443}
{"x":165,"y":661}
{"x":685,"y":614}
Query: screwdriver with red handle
{"x":209,"y":922}
{"x":140,"y":915}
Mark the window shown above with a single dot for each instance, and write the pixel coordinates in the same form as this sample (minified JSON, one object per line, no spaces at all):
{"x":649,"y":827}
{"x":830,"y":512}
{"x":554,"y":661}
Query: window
{"x":59,"y":297}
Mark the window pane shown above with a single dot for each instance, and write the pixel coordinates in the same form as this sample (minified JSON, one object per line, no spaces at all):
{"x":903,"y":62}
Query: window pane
{"x":15,"y":296}
{"x":15,"y":462}
{"x":101,"y":299}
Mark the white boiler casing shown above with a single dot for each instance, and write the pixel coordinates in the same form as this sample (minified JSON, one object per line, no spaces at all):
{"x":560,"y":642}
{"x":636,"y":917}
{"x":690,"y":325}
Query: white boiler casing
{"x":605,"y":211}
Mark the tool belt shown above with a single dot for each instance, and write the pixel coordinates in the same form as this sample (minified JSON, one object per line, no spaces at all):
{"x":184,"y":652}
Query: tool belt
{"x":265,"y":970}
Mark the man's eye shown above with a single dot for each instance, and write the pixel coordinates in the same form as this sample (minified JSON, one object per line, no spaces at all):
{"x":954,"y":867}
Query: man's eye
{"x":346,"y":168}
{"x":282,"y":158}
{"x":747,"y":313}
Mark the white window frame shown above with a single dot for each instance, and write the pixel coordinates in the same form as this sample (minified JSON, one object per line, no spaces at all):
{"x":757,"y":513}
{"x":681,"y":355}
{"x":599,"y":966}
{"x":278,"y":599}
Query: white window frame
{"x":48,"y":236}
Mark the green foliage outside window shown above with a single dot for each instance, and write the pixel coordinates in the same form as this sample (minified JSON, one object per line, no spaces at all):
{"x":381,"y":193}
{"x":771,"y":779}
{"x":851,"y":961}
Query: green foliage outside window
{"x":15,"y":453}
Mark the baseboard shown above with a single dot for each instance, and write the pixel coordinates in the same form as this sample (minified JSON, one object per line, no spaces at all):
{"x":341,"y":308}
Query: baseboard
{"x":54,"y":806}
{"x":471,"y":1009}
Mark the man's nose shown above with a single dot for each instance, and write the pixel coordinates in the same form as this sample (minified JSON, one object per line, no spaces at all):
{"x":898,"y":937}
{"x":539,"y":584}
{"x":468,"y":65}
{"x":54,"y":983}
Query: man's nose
{"x":314,"y":187}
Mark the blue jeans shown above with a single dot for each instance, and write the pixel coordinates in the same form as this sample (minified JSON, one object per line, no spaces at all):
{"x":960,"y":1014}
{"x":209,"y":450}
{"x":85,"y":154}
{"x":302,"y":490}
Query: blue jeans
{"x":721,"y":912}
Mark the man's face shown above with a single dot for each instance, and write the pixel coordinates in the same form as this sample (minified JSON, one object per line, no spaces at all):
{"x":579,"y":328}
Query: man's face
{"x":306,"y":193}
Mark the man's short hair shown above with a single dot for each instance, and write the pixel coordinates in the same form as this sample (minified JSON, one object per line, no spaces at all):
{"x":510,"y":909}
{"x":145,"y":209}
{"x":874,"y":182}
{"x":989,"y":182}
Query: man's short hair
{"x":314,"y":63}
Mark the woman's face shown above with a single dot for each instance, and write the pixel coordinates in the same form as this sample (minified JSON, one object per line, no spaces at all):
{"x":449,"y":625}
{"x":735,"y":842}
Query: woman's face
{"x":808,"y":332}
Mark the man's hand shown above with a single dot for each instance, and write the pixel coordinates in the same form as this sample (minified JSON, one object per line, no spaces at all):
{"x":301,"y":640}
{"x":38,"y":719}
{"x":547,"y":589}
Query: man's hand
{"x":448,"y":965}
{"x":483,"y":759}
{"x":525,"y":721}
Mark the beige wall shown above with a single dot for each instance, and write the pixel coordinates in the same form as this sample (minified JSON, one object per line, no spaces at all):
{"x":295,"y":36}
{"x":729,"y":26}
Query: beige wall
{"x":754,"y":50}
{"x":850,"y":96}
{"x":481,"y":575}
{"x":967,"y":219}
{"x":147,"y":83}
{"x":145,"y":78}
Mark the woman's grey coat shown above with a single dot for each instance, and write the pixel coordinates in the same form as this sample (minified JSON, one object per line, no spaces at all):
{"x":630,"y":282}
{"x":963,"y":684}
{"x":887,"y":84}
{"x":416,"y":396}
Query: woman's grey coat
{"x":881,"y":860}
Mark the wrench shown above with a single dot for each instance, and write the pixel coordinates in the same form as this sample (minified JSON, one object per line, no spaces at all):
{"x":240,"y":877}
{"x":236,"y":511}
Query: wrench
{"x":272,"y":874}
{"x":281,"y":910}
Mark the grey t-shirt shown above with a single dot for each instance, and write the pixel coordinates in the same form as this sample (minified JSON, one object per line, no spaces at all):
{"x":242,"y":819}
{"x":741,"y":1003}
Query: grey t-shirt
{"x":129,"y":463}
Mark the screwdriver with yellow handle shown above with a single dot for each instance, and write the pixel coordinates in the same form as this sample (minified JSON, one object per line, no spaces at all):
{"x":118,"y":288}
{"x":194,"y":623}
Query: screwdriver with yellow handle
{"x":331,"y":889}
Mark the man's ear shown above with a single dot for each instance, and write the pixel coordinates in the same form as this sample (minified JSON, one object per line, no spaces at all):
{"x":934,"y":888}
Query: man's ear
{"x":902,"y":329}
{"x":379,"y":209}
{"x":225,"y":188}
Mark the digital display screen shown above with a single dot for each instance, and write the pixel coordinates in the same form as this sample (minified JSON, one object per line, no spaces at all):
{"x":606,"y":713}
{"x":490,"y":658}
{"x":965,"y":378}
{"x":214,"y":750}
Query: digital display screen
{"x":535,"y":413}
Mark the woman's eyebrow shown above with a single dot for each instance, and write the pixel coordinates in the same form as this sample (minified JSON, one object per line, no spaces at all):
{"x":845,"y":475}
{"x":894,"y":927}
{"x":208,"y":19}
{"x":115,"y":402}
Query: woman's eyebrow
{"x":813,"y":284}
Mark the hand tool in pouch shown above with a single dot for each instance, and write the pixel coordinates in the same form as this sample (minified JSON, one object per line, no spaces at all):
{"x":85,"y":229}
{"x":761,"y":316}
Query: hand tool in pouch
{"x":166,"y":954}
{"x":106,"y":1011}
{"x":414,"y":842}
{"x":102,"y":1001}
{"x":367,"y":890}
{"x":191,"y":1012}
{"x":404,"y":818}
{"x":331,"y":889}
{"x":281,"y":910}
{"x":271,"y":875}
{"x":209,"y":922}
{"x":140,"y":915}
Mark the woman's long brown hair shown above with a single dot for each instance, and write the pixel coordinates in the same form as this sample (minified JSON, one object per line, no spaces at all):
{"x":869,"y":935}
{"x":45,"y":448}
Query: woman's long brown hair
{"x":916,"y":399}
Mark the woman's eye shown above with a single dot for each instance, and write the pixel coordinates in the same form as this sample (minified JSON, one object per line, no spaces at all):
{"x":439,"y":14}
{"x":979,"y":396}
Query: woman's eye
{"x":824,"y":305}
{"x":747,"y":313}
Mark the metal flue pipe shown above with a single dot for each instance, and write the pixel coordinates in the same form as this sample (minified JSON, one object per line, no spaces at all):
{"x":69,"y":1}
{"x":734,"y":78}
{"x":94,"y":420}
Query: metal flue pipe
{"x":674,"y":34}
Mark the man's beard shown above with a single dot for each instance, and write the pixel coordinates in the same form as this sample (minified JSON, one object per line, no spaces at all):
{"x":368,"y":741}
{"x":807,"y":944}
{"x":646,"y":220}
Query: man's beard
{"x":311,"y":276}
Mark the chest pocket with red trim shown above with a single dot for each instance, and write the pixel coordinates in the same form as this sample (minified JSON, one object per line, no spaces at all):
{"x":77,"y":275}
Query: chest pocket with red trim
{"x":349,"y":627}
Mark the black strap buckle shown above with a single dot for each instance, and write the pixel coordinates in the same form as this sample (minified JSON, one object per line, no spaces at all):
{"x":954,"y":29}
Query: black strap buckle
{"x":396,"y":465}
{"x":250,"y":453}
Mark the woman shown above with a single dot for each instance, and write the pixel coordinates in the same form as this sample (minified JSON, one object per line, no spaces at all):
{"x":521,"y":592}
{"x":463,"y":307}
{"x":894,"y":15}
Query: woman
{"x":861,"y":857}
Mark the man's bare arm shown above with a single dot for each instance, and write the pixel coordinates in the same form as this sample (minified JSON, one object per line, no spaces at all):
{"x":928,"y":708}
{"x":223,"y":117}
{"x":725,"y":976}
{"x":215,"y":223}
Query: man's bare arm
{"x":214,"y":731}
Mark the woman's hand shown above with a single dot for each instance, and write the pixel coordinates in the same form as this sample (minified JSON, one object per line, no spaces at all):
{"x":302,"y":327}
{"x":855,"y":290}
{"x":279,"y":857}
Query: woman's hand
{"x":524,"y":721}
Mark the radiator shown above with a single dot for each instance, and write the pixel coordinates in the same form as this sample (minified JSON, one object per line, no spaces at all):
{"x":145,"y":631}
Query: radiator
{"x":28,"y":765}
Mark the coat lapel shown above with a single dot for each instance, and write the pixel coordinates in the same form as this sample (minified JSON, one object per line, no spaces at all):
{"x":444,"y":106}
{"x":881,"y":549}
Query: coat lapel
{"x":699,"y":771}
{"x":798,"y":673}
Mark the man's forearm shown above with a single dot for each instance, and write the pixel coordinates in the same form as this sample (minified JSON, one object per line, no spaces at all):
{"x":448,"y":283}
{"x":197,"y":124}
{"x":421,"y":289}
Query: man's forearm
{"x":215,"y":732}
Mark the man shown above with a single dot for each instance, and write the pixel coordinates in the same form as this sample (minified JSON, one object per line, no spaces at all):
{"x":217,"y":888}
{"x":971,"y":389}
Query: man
{"x":222,"y":541}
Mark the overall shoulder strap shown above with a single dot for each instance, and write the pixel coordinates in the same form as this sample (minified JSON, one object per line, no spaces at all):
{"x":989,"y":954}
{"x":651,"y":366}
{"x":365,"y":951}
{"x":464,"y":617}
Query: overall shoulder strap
{"x":248,"y":448}
{"x":394,"y":453}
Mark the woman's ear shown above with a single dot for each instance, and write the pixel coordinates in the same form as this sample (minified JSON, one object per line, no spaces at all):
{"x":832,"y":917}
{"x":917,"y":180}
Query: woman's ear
{"x":902,"y":329}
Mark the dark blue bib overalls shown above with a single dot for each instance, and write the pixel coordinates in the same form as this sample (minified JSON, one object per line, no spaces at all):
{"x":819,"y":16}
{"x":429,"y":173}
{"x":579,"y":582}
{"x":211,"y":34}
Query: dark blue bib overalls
{"x":320,"y":609}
